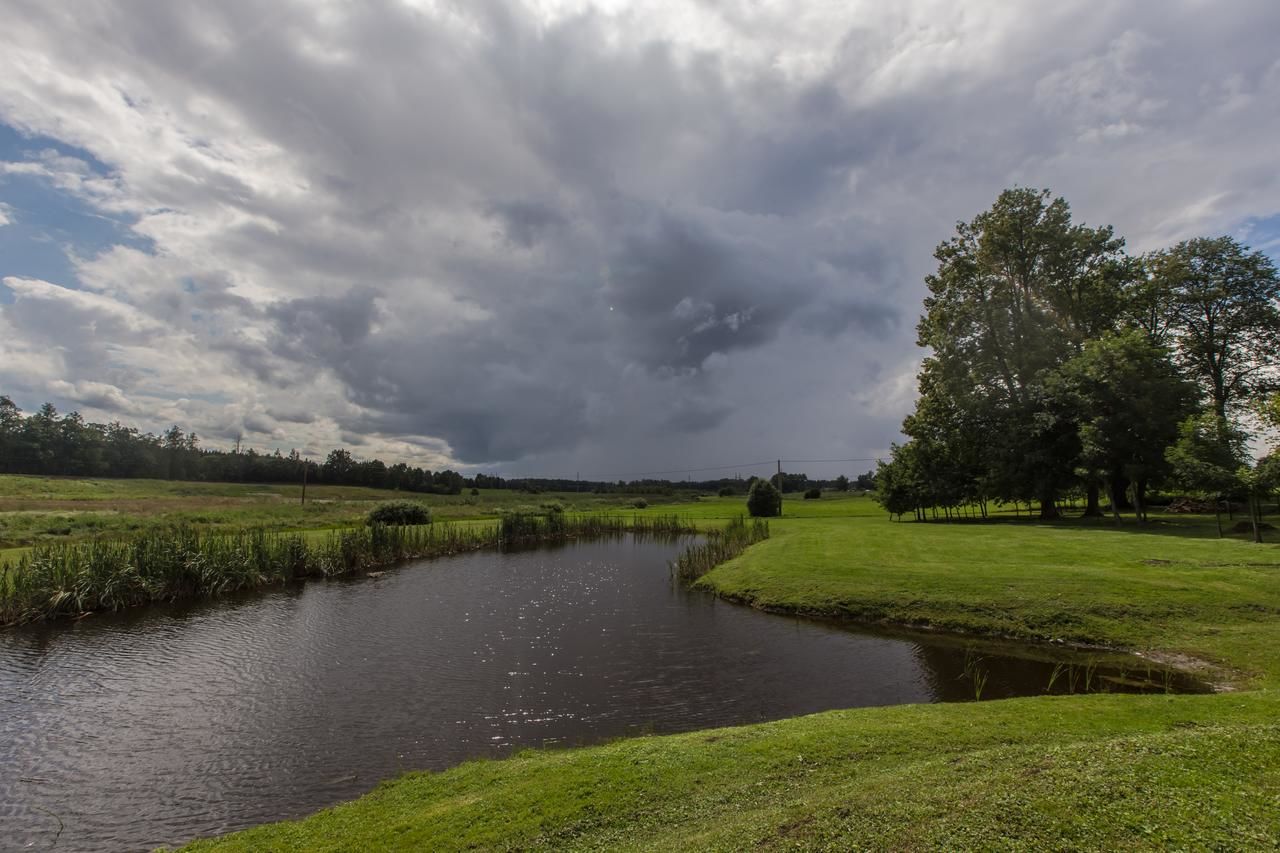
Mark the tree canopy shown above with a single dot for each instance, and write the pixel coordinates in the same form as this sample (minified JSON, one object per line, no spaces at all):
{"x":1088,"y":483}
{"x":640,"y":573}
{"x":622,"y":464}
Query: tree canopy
{"x":1057,"y":362}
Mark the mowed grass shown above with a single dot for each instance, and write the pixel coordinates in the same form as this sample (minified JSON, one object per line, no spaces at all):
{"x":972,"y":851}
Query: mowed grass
{"x":1171,"y":587}
{"x":1096,"y":772}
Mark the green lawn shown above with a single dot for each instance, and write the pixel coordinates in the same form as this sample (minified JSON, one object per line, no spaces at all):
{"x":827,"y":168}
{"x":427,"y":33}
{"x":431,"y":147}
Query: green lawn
{"x":1079,"y":772}
{"x":1172,"y":587}
{"x":1099,"y":772}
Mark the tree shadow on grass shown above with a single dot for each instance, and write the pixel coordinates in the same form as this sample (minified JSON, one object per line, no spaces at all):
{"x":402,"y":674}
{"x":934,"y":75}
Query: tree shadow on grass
{"x":1186,"y":526}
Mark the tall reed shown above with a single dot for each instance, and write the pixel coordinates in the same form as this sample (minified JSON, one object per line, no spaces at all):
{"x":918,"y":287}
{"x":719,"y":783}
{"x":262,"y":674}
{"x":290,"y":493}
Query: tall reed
{"x":68,"y":579}
{"x":721,"y":546}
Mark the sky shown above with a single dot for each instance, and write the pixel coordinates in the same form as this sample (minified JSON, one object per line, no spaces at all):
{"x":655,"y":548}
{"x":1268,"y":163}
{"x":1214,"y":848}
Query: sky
{"x":571,"y":238}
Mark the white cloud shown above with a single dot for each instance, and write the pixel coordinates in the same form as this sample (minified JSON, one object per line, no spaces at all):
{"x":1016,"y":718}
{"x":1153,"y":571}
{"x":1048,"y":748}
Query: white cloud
{"x":567,"y":233}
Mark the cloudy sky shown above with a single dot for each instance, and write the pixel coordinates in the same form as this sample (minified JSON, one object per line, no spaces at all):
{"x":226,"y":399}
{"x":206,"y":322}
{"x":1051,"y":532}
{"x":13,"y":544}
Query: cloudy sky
{"x":558,"y":237}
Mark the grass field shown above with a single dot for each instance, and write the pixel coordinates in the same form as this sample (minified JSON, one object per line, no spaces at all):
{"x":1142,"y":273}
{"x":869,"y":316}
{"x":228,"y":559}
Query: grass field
{"x":1170,"y":587}
{"x":1098,"y":772}
{"x":1076,"y":772}
{"x":43,"y":509}
{"x":1082,"y":772}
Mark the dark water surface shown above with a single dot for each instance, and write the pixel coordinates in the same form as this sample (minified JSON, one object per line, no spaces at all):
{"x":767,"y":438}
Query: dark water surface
{"x":161,"y":725}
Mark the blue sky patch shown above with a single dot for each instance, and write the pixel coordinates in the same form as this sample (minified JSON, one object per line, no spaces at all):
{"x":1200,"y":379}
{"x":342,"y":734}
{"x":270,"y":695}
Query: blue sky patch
{"x":1262,"y":234}
{"x":47,"y":223}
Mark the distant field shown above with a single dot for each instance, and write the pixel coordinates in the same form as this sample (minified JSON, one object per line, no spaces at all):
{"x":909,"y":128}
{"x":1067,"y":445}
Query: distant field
{"x":43,"y":509}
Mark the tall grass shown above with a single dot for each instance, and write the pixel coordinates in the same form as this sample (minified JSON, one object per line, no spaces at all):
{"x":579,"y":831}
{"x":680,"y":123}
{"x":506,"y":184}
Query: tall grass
{"x":721,"y":546}
{"x":68,"y":579}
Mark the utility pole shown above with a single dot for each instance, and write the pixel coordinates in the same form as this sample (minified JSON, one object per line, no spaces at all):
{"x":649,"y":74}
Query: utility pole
{"x":779,"y":487}
{"x":304,"y":481}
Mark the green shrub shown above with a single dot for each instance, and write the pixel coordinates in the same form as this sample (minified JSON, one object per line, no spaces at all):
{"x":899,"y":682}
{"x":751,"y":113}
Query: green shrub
{"x":475,"y":492}
{"x":640,"y":503}
{"x":399,"y":514}
{"x":727,"y":492}
{"x":764,"y":500}
{"x":813,"y":494}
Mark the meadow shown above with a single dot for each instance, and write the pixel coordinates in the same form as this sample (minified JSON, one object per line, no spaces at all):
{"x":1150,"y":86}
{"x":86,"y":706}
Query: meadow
{"x":1077,"y":772}
{"x":36,"y":510}
{"x":1054,"y":772}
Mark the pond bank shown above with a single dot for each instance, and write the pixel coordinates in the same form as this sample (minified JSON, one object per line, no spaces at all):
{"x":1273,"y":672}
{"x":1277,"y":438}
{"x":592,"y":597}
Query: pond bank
{"x":1085,"y":772}
{"x":184,"y":563}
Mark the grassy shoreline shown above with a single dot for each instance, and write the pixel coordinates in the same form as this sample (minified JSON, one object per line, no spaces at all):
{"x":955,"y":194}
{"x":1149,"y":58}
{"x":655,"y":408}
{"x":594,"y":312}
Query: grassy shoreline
{"x":1097,"y":772}
{"x":182,"y":563}
{"x":1206,"y":603}
{"x":1080,"y":772}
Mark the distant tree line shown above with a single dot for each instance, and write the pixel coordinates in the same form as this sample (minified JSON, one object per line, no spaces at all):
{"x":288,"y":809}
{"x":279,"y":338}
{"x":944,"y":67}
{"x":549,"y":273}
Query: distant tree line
{"x":49,"y":443}
{"x":46,"y":442}
{"x":1059,"y":364}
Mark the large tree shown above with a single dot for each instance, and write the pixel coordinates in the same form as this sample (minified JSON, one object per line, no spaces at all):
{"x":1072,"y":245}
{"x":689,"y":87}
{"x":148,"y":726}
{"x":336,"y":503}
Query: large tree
{"x":1018,"y":291}
{"x":1220,"y":301}
{"x":1206,"y":459}
{"x":1127,"y":400}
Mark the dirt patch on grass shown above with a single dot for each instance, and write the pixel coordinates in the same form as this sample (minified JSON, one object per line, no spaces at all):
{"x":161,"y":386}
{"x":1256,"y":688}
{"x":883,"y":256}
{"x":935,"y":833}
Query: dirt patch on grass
{"x":1222,"y":680}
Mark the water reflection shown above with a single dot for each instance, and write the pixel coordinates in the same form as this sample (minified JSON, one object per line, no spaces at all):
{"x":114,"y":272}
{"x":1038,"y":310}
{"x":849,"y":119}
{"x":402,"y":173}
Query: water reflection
{"x":157,"y":726}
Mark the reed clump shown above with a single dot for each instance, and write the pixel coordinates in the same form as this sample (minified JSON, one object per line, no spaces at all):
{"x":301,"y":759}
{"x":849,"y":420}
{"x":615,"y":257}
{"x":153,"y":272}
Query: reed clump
{"x":721,"y":546}
{"x":172,"y":564}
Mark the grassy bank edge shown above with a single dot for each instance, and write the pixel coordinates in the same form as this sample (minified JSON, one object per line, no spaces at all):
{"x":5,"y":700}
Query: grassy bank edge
{"x":910,"y":776}
{"x":69,"y":580}
{"x":615,"y":795}
{"x":1218,"y":674}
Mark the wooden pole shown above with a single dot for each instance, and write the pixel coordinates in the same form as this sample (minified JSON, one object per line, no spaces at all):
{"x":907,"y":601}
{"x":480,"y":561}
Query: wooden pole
{"x":304,"y":482}
{"x":779,"y":487}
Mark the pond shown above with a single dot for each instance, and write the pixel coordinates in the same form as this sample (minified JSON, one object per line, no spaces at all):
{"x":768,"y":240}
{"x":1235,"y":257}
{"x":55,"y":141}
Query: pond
{"x":154,"y":727}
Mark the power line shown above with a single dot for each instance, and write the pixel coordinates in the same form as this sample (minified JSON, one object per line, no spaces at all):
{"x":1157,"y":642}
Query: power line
{"x":708,"y":468}
{"x":697,"y":470}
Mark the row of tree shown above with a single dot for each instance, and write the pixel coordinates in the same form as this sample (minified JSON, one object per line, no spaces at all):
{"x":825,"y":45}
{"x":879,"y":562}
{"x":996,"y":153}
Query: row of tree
{"x":46,"y":442}
{"x":1060,"y":364}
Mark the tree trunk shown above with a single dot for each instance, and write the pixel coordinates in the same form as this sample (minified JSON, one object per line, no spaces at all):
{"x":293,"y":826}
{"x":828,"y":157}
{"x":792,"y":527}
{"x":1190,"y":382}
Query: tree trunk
{"x":1049,"y":508}
{"x":1140,"y":501}
{"x":1253,"y":515}
{"x":1115,"y":501}
{"x":1092,"y":508}
{"x":1120,"y":490}
{"x":1217,"y":516}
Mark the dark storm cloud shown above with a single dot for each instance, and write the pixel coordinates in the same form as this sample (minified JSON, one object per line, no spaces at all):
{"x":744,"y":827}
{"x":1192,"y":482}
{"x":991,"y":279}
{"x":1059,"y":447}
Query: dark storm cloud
{"x":525,"y":222}
{"x":319,"y":323}
{"x":546,"y":237}
{"x":696,"y":417}
{"x":691,"y":291}
{"x":869,"y":319}
{"x":291,"y":416}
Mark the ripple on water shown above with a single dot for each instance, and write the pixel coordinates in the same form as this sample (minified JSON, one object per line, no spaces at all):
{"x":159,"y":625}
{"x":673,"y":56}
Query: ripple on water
{"x":157,"y":726}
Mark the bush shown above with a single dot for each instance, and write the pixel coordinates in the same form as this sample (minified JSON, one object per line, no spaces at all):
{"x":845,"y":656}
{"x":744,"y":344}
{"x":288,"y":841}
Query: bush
{"x":399,"y":514}
{"x":813,"y":494}
{"x":764,"y":500}
{"x":640,"y":503}
{"x":727,"y":492}
{"x":475,"y":492}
